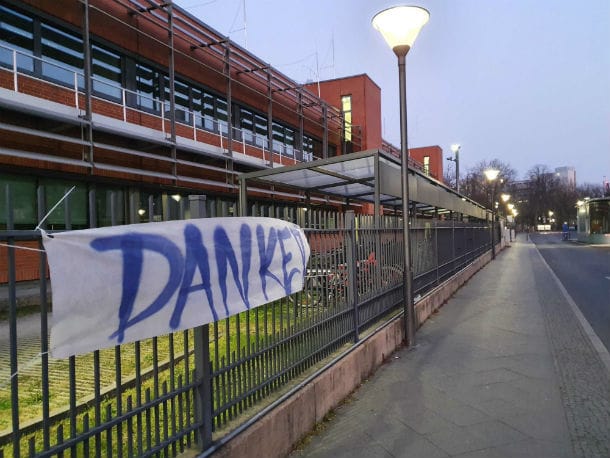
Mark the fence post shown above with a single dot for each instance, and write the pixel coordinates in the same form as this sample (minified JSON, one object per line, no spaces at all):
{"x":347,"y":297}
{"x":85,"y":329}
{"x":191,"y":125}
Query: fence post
{"x":452,"y":244}
{"x":436,"y":247}
{"x":350,"y":264}
{"x":12,"y":320}
{"x":203,"y":393}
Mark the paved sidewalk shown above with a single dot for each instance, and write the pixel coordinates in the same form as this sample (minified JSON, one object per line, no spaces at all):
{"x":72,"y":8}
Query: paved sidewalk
{"x":505,"y":369}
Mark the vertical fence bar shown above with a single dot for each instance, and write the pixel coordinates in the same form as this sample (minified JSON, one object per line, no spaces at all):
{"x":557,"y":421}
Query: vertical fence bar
{"x":97,"y":398}
{"x":352,"y":277}
{"x":436,"y":249}
{"x":44,"y":347}
{"x":12,"y":303}
{"x":71,"y":359}
{"x":452,"y":244}
{"x":203,"y":392}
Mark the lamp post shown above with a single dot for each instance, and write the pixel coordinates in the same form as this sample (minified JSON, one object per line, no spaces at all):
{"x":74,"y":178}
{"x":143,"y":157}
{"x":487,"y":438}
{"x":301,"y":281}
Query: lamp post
{"x":491,"y":175}
{"x":399,"y":27}
{"x":455,"y":148}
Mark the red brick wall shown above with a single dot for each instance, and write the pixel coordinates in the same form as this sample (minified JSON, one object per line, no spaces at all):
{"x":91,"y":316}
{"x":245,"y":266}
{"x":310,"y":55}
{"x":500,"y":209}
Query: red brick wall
{"x":366,"y":104}
{"x":436,"y":159}
{"x":26,"y":262}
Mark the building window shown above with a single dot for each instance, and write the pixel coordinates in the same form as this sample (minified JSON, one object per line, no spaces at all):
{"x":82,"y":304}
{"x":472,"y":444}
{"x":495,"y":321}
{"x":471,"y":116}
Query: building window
{"x":23,"y":201}
{"x":599,"y":212}
{"x":283,"y":139}
{"x":346,"y":108}
{"x":182,"y":100}
{"x":427,"y":165}
{"x":106,"y":69}
{"x":73,"y":211}
{"x":246,"y":123}
{"x":308,"y":148}
{"x":16,"y":32}
{"x":207,"y":110}
{"x":109,"y":206}
{"x":148,"y":88}
{"x":62,"y":55}
{"x":289,"y":141}
{"x":260,"y":127}
{"x":196,"y":102}
{"x":213,"y":111}
{"x":222,"y":114}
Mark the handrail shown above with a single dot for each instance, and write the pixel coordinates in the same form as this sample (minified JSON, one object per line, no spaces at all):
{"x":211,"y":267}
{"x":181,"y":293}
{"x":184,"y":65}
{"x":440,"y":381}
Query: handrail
{"x":142,"y":101}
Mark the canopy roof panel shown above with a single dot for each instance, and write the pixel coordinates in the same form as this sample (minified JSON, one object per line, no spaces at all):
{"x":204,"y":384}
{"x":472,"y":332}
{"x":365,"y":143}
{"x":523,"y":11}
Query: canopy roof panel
{"x":368,"y":176}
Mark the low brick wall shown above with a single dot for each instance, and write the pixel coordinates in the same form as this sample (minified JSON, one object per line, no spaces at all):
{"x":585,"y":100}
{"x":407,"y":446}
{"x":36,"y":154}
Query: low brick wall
{"x":276,"y":433}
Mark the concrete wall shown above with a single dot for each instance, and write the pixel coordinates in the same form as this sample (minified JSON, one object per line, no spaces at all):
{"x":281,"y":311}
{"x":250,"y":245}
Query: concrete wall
{"x":275,"y":434}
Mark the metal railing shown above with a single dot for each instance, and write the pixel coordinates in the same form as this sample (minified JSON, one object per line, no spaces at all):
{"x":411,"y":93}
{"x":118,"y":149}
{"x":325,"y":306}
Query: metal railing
{"x":160,"y":396}
{"x":125,"y":102}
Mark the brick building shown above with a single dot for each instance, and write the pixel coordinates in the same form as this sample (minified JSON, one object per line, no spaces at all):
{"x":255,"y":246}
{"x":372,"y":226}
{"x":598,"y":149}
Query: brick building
{"x":138,"y":104}
{"x":359,"y":100}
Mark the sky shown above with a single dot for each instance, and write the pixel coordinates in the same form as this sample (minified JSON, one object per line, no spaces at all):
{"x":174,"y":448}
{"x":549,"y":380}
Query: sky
{"x":523,"y":81}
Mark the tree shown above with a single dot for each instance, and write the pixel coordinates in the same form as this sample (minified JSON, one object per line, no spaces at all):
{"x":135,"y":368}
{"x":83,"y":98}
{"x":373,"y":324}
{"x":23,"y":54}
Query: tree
{"x":449,"y":176}
{"x":542,"y":195}
{"x":476,"y":186}
{"x":590,"y":190}
{"x":546,"y":193}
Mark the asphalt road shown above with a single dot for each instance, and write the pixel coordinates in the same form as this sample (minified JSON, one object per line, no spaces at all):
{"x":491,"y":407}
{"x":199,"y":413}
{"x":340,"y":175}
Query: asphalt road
{"x":584,"y":271}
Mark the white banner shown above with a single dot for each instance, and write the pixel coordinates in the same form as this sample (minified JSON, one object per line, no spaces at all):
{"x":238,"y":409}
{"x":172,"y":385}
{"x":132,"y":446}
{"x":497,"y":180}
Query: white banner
{"x":120,"y":284}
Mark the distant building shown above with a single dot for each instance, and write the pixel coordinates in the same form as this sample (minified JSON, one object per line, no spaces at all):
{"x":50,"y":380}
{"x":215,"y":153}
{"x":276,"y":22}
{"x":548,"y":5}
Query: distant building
{"x":358,"y":98}
{"x":520,"y":191}
{"x":566,"y":175}
{"x":431,"y":159}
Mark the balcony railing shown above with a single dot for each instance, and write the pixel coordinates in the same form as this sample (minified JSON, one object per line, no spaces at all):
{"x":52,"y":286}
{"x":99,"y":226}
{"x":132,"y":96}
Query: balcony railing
{"x":112,"y":100}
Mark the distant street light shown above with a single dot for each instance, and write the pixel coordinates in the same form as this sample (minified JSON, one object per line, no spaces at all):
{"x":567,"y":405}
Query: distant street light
{"x":400,"y":26}
{"x":455,"y":148}
{"x":492,"y":175}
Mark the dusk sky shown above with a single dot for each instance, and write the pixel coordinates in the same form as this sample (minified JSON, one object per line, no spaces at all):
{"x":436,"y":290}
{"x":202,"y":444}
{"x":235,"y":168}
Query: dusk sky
{"x":523,"y":81}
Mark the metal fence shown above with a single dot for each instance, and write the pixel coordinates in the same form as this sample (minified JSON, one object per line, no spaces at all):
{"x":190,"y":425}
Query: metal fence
{"x":160,"y":396}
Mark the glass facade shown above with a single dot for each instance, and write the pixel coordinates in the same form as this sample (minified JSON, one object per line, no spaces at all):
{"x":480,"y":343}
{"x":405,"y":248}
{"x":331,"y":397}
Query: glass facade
{"x":113,"y":204}
{"x":599,"y":215}
{"x":107,"y":70}
{"x":62,"y":55}
{"x":22,"y":190}
{"x":16,"y":32}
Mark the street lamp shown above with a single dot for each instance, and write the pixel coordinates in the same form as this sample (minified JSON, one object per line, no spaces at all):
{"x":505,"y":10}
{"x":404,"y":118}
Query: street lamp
{"x":455,"y":148}
{"x":492,"y":175}
{"x":399,"y":27}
